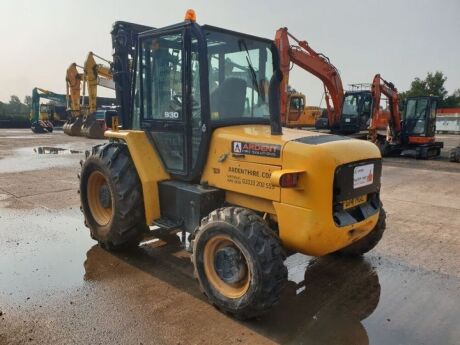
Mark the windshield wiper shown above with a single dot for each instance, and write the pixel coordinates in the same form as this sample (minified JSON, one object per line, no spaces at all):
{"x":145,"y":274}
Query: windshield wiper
{"x":252,"y":72}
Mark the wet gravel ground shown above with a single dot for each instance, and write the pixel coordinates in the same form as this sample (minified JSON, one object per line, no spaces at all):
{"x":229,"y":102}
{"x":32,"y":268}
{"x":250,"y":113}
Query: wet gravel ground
{"x":58,"y":287}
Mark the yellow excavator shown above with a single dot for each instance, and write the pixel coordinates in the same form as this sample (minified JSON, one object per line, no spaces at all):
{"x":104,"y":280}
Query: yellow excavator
{"x":205,"y":153}
{"x":298,"y":114}
{"x":73,"y":94}
{"x":84,"y":120}
{"x":94,"y":75}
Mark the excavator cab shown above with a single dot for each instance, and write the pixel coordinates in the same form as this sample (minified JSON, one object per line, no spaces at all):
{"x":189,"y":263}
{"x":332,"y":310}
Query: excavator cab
{"x":419,"y":119}
{"x":419,"y":126}
{"x":296,"y":106}
{"x":356,"y":111}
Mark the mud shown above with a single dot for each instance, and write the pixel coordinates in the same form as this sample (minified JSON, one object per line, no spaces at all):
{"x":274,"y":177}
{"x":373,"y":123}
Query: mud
{"x":57,"y":286}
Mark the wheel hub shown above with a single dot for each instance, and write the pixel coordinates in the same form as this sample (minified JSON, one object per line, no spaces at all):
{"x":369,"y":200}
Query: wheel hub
{"x":230,"y":265}
{"x":104,"y":196}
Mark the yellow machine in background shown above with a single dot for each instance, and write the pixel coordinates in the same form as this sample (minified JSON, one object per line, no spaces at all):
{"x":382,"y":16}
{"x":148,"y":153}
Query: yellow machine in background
{"x":207,"y":155}
{"x":73,"y":92}
{"x":298,"y":113}
{"x":94,"y":75}
{"x":82,"y":108}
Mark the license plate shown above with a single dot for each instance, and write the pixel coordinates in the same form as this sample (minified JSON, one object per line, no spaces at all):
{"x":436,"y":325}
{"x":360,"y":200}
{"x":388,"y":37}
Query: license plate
{"x":363,"y":176}
{"x":347,"y":120}
{"x":354,"y":202}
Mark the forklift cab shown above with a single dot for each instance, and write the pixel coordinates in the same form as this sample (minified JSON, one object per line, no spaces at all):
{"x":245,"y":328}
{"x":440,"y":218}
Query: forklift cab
{"x":419,"y":120}
{"x":190,"y":79}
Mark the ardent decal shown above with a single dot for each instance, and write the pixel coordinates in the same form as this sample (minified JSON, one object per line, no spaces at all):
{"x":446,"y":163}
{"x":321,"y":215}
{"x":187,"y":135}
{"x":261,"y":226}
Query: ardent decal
{"x":256,"y":149}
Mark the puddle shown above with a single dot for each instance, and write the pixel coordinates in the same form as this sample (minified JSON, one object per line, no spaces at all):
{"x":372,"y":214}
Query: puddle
{"x":41,"y":150}
{"x":43,"y":157}
{"x":41,"y":252}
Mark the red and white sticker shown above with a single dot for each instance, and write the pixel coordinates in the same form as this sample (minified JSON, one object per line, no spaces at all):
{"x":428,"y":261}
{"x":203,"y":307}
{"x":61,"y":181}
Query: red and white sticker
{"x":363,"y":176}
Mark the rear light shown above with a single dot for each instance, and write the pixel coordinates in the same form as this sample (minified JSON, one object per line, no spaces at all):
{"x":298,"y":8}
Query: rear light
{"x":289,"y":180}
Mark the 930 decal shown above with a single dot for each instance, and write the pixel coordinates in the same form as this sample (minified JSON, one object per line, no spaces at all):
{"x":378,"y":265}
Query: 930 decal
{"x":256,"y":149}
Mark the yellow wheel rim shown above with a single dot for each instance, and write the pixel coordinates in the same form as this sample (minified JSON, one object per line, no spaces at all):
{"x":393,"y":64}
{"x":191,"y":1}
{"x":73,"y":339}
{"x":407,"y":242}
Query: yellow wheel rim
{"x":101,"y":211}
{"x":228,"y":289}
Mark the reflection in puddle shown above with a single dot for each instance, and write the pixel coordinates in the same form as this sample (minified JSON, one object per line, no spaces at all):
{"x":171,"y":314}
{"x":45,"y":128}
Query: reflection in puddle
{"x":53,"y":150}
{"x":327,"y":305}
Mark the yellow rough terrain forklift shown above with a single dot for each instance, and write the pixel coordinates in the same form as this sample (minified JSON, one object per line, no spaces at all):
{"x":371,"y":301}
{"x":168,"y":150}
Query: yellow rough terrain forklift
{"x":206,"y":154}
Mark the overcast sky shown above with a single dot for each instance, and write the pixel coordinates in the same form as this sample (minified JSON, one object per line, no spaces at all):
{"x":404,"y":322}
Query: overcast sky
{"x":399,"y":39}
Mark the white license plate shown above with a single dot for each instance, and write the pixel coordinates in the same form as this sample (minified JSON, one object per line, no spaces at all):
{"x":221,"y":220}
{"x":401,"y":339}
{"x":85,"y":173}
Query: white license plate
{"x":363,"y":176}
{"x":347,"y":120}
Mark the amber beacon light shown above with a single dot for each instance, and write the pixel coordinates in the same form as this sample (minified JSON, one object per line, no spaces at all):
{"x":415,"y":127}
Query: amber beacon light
{"x":190,"y":15}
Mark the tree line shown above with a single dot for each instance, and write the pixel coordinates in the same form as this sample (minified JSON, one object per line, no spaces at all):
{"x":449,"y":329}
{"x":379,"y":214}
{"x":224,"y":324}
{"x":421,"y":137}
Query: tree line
{"x":15,"y":109}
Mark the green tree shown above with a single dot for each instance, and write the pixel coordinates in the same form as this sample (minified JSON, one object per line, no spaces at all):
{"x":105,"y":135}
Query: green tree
{"x":432,"y":85}
{"x":28,"y":101}
{"x":435,"y":85}
{"x":14,"y":106}
{"x":453,"y":101}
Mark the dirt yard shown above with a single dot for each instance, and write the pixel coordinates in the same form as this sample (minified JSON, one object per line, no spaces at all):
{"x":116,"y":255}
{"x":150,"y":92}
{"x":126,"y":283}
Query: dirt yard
{"x":57,"y":286}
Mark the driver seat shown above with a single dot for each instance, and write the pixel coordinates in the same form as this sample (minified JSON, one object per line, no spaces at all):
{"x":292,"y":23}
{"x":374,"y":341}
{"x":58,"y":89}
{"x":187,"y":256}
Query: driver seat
{"x":228,"y":99}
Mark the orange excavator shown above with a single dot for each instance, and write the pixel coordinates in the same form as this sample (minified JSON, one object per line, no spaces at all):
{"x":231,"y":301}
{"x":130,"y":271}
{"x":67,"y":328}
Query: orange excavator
{"x":302,"y":55}
{"x":412,"y":134}
{"x":384,"y":126}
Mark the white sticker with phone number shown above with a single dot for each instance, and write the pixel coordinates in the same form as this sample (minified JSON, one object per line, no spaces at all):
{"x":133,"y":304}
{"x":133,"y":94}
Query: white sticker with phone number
{"x":363,"y":176}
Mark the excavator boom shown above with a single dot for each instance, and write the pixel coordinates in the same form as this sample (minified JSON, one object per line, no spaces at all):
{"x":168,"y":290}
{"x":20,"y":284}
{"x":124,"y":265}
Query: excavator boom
{"x":317,"y":64}
{"x":73,"y":90}
{"x":381,"y":86}
{"x":95,"y":74}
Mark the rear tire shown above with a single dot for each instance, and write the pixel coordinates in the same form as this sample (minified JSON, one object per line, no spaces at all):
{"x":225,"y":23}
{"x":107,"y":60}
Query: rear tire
{"x":238,"y":261}
{"x":111,"y":197}
{"x":369,"y":241}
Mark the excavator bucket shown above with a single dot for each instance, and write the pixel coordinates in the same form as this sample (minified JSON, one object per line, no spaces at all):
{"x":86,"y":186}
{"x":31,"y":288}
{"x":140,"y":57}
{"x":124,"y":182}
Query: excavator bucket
{"x":91,"y":128}
{"x":42,"y":127}
{"x":73,"y":126}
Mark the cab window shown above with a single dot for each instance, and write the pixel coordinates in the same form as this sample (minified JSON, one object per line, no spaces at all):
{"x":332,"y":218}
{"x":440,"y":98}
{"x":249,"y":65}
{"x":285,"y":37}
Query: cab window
{"x":240,"y":70}
{"x":161,"y":65}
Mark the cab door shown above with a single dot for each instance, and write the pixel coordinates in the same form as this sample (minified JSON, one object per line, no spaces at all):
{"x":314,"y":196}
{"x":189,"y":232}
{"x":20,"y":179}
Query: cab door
{"x":431,"y":121}
{"x":169,"y":95}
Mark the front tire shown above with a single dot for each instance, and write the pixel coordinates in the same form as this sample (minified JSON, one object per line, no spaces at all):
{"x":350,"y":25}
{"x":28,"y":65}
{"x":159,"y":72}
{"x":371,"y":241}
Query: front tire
{"x":238,"y":261}
{"x":111,"y":197}
{"x":369,"y":241}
